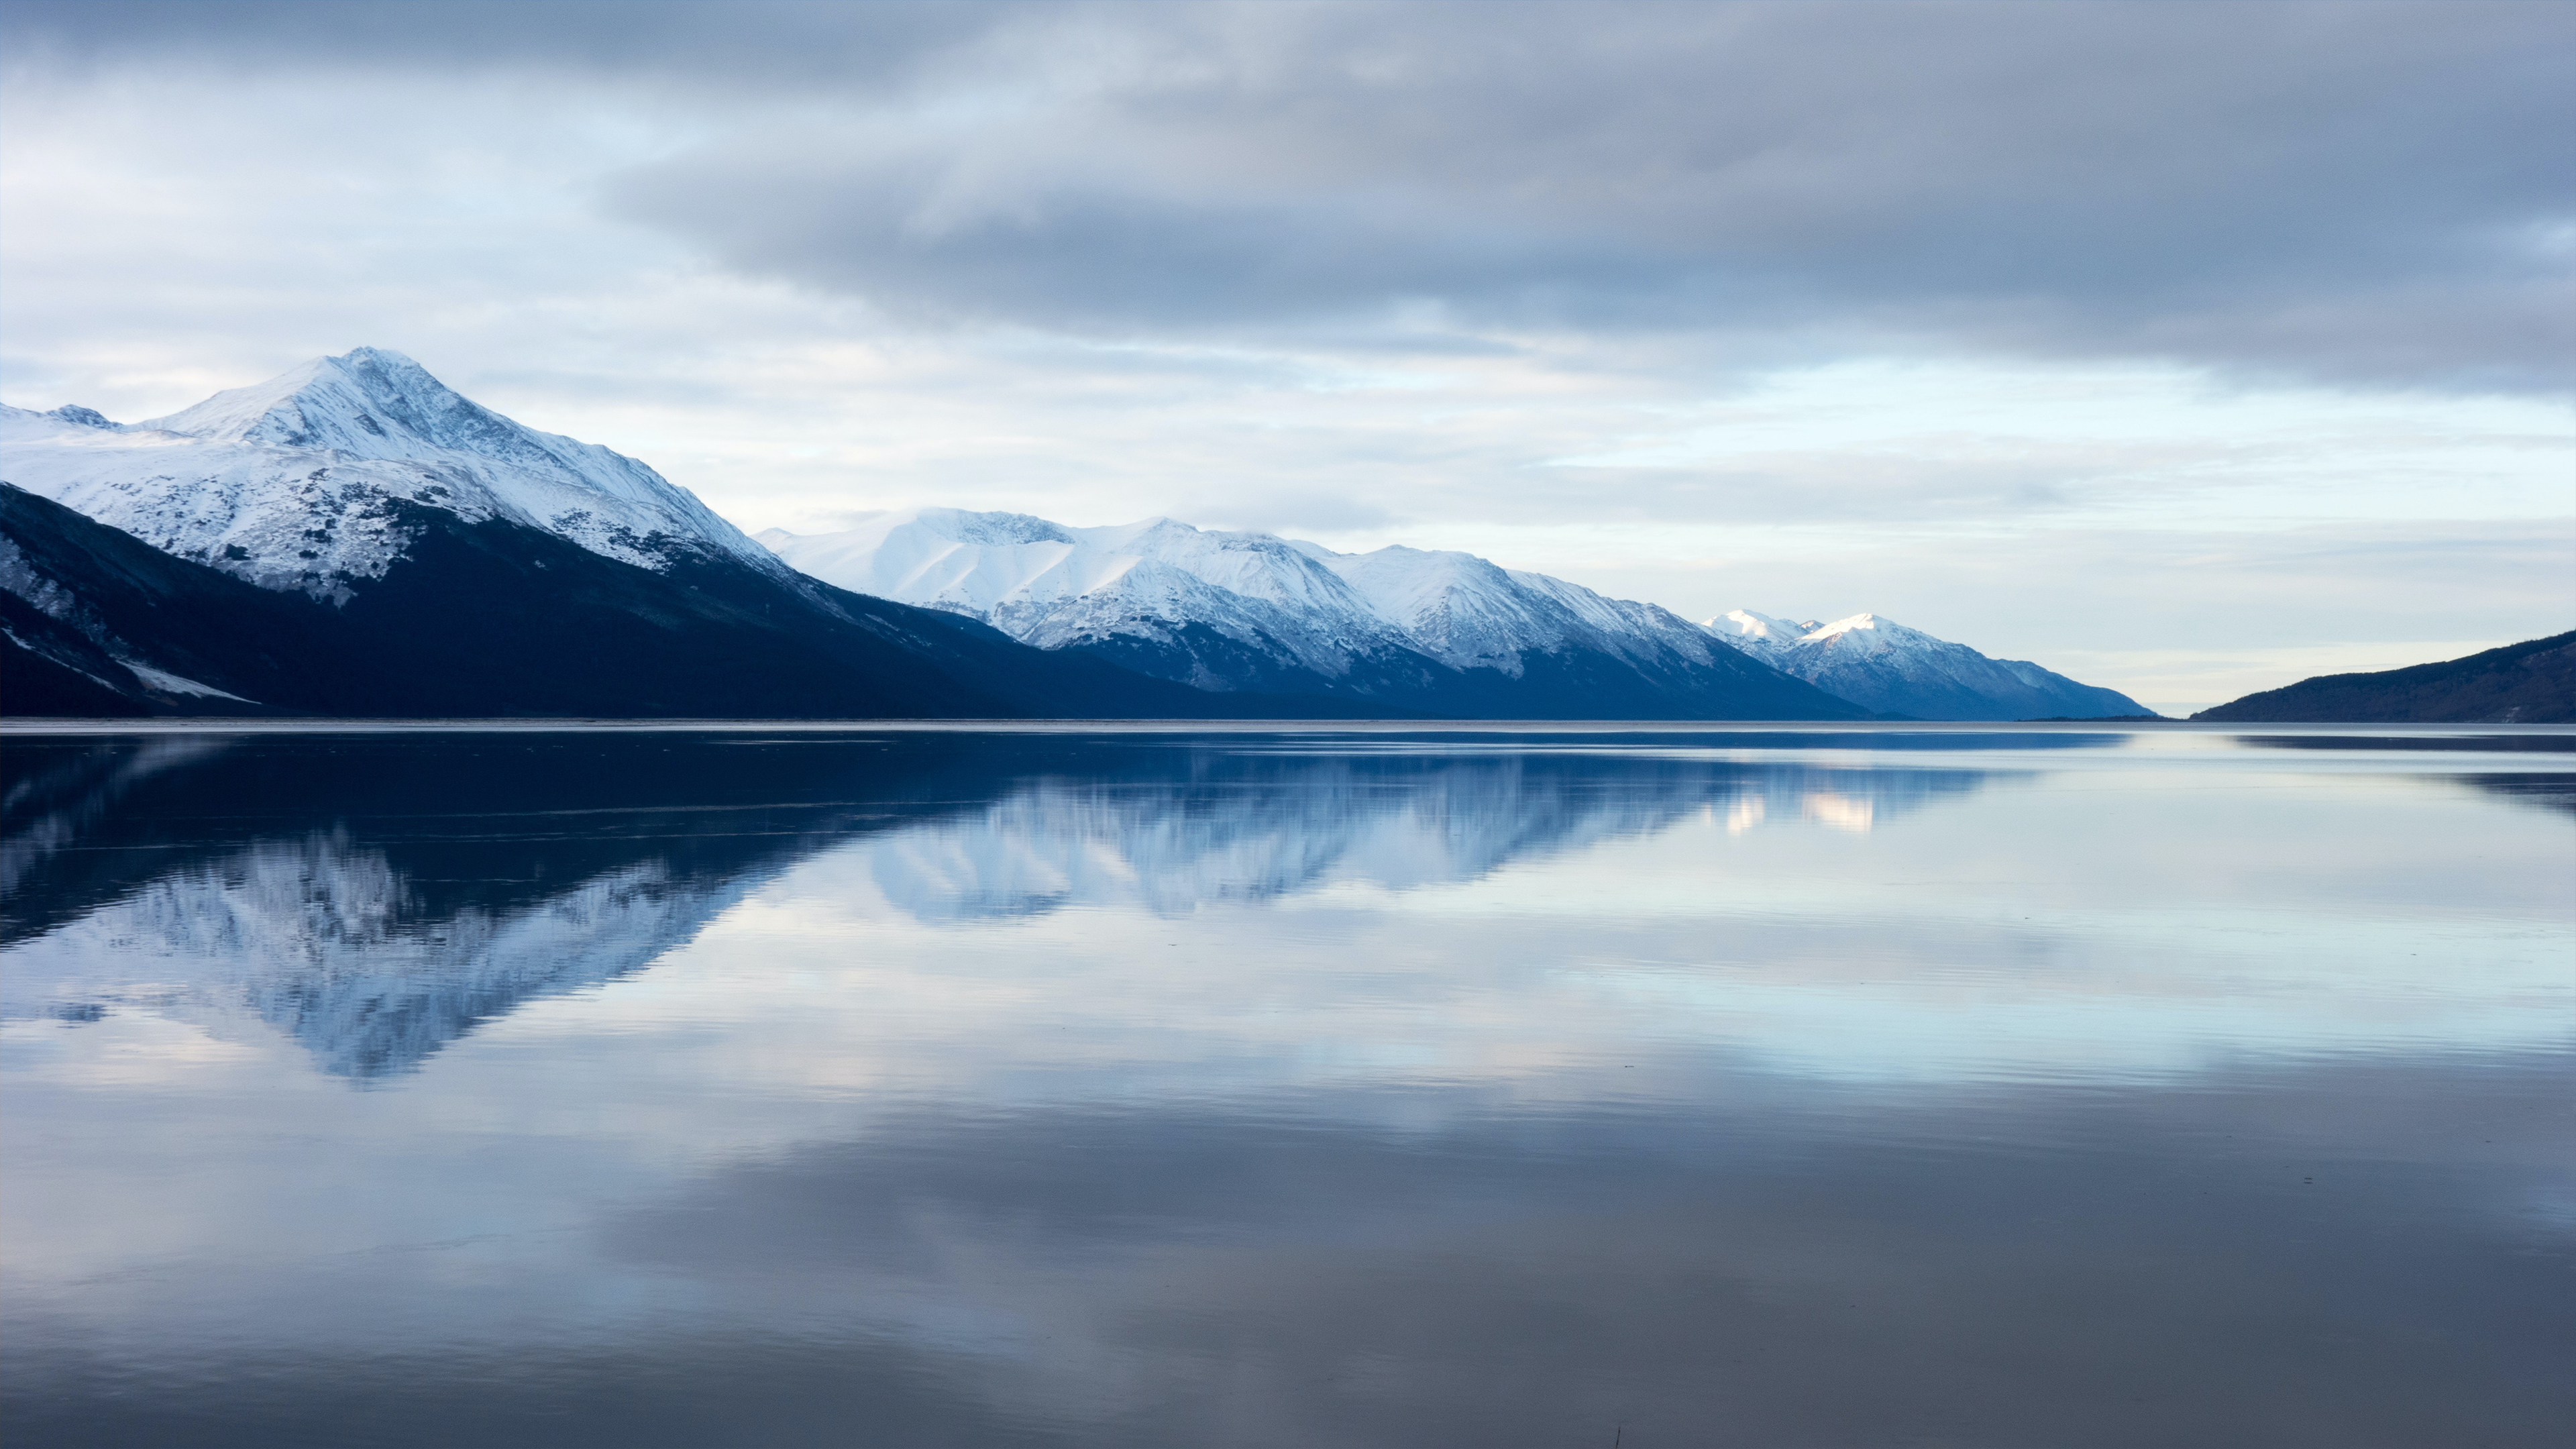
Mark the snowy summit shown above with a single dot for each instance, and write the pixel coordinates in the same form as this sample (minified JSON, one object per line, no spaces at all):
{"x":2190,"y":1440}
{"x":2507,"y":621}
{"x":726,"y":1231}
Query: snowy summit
{"x":304,"y":481}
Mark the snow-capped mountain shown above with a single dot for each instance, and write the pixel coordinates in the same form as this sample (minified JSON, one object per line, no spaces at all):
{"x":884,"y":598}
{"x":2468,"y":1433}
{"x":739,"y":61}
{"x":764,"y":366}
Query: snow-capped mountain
{"x":454,"y":562}
{"x":300,"y":481}
{"x":1438,"y":631}
{"x":443,"y":559}
{"x":1896,"y":670}
{"x":1224,"y":611}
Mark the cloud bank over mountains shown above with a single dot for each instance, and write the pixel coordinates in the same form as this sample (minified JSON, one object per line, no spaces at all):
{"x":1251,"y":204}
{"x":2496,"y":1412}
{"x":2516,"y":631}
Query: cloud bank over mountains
{"x":2368,"y":192}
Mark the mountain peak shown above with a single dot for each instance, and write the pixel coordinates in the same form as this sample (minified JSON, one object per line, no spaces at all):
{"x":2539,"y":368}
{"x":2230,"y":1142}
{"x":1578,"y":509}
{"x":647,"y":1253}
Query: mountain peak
{"x":1873,"y":634}
{"x":1876,"y":627}
{"x":1761,"y":633}
{"x":1856,"y":621}
{"x":965,"y":526}
{"x":370,"y":402}
{"x":382,"y":425}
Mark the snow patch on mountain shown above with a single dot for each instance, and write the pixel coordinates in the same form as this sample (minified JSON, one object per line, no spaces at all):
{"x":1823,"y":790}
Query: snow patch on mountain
{"x":1894,"y":669}
{"x":1759,"y":634}
{"x":169,"y":683}
{"x":306,"y":481}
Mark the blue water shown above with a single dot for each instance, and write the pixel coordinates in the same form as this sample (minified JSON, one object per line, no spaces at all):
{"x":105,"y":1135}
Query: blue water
{"x":1866,"y":1086}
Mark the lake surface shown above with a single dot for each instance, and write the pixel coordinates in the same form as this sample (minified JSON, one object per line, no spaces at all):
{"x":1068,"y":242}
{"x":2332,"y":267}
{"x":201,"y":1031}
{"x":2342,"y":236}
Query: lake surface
{"x":749,"y":1086}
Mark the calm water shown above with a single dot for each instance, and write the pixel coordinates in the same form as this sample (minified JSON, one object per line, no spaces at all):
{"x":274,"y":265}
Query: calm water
{"x":748,"y":1087}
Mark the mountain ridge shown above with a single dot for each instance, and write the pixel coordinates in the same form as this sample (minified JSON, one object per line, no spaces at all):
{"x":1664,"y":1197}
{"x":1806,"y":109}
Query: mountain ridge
{"x":467,"y":563}
{"x":1876,"y":662}
{"x":1442,"y":632}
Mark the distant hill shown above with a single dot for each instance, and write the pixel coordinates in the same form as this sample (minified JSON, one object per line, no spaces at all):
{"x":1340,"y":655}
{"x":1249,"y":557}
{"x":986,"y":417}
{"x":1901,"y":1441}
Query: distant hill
{"x":2533,"y":682}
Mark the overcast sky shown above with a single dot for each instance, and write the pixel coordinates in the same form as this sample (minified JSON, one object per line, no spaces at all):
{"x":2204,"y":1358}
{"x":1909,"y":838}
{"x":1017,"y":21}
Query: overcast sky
{"x":2187,"y":348}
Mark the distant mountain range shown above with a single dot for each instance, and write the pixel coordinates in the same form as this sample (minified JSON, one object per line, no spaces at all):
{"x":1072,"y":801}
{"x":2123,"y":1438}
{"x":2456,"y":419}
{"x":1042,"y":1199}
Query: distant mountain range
{"x":1439,"y":632}
{"x":2533,"y":682}
{"x":353,"y":538}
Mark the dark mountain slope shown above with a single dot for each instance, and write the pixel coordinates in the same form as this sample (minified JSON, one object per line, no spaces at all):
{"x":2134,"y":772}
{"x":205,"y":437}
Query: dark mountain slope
{"x":495,"y":618}
{"x":86,"y":604}
{"x":36,"y":680}
{"x":1069,"y":684}
{"x":492,"y":618}
{"x":2533,"y":682}
{"x":1564,"y":683}
{"x":1574,"y":683}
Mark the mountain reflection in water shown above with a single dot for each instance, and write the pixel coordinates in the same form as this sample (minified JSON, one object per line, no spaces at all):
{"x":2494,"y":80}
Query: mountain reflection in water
{"x":378,"y":897}
{"x":747,"y":1085}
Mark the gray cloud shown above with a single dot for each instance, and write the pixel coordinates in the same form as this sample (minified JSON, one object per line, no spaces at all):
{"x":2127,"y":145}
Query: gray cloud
{"x":2355,"y":193}
{"x":771,"y":42}
{"x":2359,"y":192}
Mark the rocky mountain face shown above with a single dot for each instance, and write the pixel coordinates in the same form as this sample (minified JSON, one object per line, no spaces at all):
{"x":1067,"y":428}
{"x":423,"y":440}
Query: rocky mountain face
{"x":1436,"y":632}
{"x":1891,"y":669}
